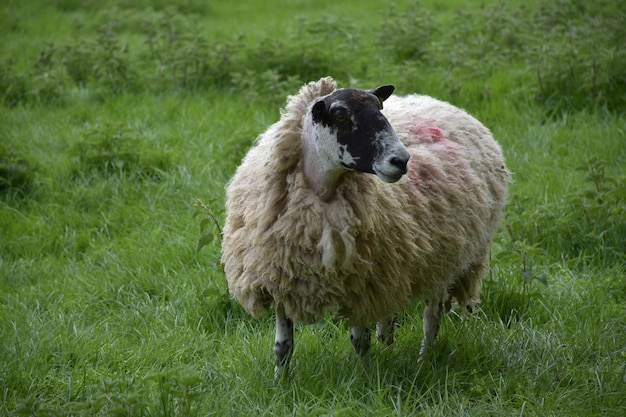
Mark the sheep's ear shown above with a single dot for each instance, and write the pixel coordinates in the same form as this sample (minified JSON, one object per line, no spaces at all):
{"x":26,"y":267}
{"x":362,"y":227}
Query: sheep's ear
{"x":383,"y":92}
{"x":318,"y":110}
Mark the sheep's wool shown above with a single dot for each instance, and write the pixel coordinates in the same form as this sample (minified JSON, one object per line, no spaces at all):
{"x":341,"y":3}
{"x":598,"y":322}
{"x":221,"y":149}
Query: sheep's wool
{"x":374,"y":247}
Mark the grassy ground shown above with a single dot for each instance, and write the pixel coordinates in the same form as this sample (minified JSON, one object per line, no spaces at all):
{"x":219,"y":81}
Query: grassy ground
{"x":114,"y":118}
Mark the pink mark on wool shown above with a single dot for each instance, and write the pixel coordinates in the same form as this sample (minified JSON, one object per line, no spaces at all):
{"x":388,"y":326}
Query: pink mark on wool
{"x":433,"y":136}
{"x":428,"y":133}
{"x":437,"y":146}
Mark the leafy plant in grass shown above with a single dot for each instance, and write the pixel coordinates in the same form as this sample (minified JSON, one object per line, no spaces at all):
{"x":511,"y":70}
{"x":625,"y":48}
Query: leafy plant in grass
{"x":16,"y":172}
{"x":601,"y":200}
{"x":12,"y":85}
{"x":44,"y":82}
{"x":112,"y":70}
{"x":306,"y":54}
{"x":220,"y":306}
{"x":78,"y":61}
{"x":584,"y":224}
{"x":48,"y":81}
{"x":269,"y":86}
{"x":200,"y":63}
{"x":179,"y":391}
{"x":110,"y":149}
{"x":574,"y":49}
{"x":103,"y":61}
{"x":207,"y":217}
{"x":512,"y":292}
{"x":580,"y":59}
{"x":484,"y":41}
{"x":184,"y":58}
{"x":408,"y":35}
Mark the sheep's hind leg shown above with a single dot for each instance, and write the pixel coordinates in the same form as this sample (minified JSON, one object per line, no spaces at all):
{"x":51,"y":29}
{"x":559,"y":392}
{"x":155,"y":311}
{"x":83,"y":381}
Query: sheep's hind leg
{"x":432,"y":321}
{"x":283,"y":344}
{"x":385,"y":330}
{"x":361,"y":341}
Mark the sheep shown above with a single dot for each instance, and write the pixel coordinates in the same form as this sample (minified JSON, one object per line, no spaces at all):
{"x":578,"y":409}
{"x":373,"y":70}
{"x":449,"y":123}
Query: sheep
{"x":308,"y":229}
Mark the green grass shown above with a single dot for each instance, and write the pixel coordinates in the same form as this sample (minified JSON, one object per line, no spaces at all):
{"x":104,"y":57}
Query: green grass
{"x":115,"y":118}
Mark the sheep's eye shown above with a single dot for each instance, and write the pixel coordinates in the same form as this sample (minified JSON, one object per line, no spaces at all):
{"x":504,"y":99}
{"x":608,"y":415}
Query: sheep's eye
{"x":340,"y":116}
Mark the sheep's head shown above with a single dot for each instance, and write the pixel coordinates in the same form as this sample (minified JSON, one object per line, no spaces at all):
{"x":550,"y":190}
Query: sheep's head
{"x":351,"y":133}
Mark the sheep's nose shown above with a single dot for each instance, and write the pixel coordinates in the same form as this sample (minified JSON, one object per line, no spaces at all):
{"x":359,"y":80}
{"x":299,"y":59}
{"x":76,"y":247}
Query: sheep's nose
{"x":394,"y":165}
{"x":399,"y":163}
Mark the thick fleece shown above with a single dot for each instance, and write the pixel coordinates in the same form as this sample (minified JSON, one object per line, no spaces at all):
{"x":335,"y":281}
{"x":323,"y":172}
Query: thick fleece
{"x":374,"y":247}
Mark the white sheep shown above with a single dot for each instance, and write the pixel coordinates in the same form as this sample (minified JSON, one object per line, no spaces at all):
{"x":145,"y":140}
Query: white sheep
{"x":307,"y":231}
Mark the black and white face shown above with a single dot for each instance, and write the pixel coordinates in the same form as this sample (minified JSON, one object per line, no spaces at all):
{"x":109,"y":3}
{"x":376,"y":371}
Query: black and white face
{"x":351,"y":131}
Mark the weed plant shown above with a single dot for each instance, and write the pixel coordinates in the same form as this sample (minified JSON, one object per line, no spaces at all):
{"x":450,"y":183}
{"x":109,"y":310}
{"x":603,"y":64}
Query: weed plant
{"x":16,"y":173}
{"x":113,"y":150}
{"x":573,"y":50}
{"x":121,"y":122}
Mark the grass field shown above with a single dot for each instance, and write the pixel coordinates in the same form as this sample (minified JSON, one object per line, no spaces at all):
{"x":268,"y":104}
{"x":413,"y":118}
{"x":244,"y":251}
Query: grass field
{"x":116,"y":117}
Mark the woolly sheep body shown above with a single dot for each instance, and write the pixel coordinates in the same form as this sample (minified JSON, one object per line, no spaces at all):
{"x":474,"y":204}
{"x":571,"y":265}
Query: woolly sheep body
{"x":374,"y":247}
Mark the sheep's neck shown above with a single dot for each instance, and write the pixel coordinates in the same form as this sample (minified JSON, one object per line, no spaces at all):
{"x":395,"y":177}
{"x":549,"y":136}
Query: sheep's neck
{"x":321,"y":176}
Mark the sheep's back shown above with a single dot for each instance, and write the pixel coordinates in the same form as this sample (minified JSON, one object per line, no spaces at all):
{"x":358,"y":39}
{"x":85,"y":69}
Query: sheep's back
{"x":457,"y":170}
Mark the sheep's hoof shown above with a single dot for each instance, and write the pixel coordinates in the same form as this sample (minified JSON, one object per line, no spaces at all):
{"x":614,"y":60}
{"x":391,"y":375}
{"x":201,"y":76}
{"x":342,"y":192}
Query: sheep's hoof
{"x":281,"y":373}
{"x":424,"y":353}
{"x":361,"y":341}
{"x":282,"y":352}
{"x":366,"y":361}
{"x":385,"y":330}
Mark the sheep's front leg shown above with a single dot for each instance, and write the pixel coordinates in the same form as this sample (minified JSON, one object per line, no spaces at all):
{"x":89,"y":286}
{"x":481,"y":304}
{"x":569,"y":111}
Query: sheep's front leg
{"x":385,"y":329}
{"x":361,"y":341}
{"x":432,"y":321}
{"x":283,"y":344}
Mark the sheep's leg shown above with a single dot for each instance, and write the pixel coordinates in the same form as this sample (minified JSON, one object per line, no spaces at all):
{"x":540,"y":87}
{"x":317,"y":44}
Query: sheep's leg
{"x":361,"y":341}
{"x":283,"y":344}
{"x":385,"y":329}
{"x":432,"y":320}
